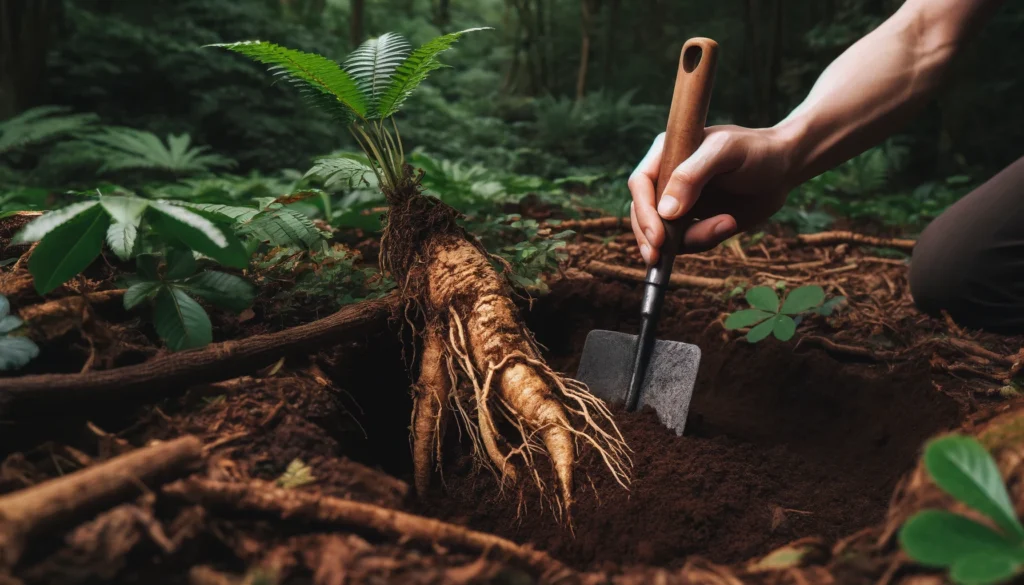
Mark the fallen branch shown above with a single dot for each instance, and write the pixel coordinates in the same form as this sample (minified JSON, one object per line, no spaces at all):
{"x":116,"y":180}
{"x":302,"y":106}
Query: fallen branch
{"x":852,"y":350}
{"x":311,"y":507}
{"x":590,"y":225}
{"x":48,"y":393}
{"x":972,"y":348}
{"x":829,"y":238}
{"x":76,"y":497}
{"x":633,"y":274}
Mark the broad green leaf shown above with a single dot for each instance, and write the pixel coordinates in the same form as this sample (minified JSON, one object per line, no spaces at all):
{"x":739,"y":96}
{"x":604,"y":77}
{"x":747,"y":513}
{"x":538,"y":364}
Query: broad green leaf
{"x":198,"y":233}
{"x":803,"y":299}
{"x":746,"y":318}
{"x":49,"y":221}
{"x":374,"y":62}
{"x":785,"y":327}
{"x":414,"y":70}
{"x":137,"y":293}
{"x":761,"y":331}
{"x":180,"y":264}
{"x":221,"y":289}
{"x":986,"y":567}
{"x":937,"y":538}
{"x":127,"y":210}
{"x":121,"y":239}
{"x":68,"y":249}
{"x":965,"y":470}
{"x":180,"y":321}
{"x":9,"y":323}
{"x":15,"y":352}
{"x":764,"y":298}
{"x":322,"y":81}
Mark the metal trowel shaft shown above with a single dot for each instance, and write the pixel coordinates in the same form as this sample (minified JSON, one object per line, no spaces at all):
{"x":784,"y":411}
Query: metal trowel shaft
{"x":683,"y":135}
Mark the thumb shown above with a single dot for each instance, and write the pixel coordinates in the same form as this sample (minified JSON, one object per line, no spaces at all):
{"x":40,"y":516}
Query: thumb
{"x":719,"y":153}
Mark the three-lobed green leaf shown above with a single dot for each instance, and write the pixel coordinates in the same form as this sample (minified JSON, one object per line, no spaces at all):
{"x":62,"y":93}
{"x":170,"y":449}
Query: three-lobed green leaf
{"x":764,"y":298}
{"x":803,"y":299}
{"x":937,"y":538}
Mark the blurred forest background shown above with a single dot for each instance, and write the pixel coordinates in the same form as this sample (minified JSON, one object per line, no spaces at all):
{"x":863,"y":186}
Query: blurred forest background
{"x":563,"y":97}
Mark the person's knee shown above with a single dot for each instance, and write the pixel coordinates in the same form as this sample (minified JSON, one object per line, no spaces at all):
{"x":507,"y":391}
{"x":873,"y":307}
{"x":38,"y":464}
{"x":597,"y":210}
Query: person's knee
{"x":938,"y":273}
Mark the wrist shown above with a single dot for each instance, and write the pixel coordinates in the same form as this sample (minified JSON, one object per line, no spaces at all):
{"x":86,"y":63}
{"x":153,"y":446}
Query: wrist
{"x":790,"y":139}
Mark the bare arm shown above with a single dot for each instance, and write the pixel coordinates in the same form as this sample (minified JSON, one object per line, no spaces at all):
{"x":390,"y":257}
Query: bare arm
{"x":860,"y":99}
{"x":879,"y":82}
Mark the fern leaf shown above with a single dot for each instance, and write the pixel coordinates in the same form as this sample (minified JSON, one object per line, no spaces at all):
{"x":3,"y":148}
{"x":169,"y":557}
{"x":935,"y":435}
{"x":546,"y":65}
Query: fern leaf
{"x":239,"y":214}
{"x":41,"y":124}
{"x":131,"y":149}
{"x":374,"y":63}
{"x":414,"y":70}
{"x":347,"y":168}
{"x":285,"y":228}
{"x":320,"y":79}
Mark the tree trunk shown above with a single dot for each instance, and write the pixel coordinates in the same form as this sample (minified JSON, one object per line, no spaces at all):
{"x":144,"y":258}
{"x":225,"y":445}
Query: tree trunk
{"x":442,"y":13}
{"x":586,"y":20}
{"x":25,"y":31}
{"x":611,"y":28}
{"x":358,"y":9}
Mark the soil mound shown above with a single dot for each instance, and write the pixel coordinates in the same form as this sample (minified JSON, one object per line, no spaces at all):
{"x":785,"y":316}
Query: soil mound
{"x":781,"y":443}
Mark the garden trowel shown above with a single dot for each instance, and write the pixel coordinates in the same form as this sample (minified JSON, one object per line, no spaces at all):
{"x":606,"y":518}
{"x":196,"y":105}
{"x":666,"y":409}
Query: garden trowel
{"x":639,"y":370}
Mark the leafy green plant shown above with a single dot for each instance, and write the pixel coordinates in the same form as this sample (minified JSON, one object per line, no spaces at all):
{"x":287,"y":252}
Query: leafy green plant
{"x":974,"y":553}
{"x":770,"y":316}
{"x":365,"y":93}
{"x":71,"y":238}
{"x":123,"y":149}
{"x":173,"y":286}
{"x":15,"y":350}
{"x":327,"y":278}
{"x":534,"y":255}
{"x":40,"y":125}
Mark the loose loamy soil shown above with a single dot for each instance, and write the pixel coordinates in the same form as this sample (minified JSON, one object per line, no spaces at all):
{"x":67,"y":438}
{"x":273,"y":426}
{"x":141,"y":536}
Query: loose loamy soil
{"x":779,"y":445}
{"x":784,"y":440}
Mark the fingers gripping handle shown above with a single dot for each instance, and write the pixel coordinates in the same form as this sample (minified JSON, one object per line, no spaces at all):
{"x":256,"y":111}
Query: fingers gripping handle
{"x":683,"y":135}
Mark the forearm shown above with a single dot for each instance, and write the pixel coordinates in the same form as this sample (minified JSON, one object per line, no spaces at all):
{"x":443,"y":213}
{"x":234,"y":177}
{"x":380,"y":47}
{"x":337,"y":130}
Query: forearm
{"x":877,"y":84}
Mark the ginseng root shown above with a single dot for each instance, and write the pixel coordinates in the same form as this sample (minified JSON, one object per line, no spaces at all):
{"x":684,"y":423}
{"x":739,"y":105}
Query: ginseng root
{"x":479,"y":360}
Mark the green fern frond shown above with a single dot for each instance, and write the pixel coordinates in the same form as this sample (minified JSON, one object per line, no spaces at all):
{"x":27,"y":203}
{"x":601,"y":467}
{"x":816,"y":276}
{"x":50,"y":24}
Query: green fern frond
{"x":374,"y":63}
{"x":285,"y":228}
{"x":131,"y":149}
{"x":414,"y":70}
{"x":322,"y":81}
{"x":347,"y":168}
{"x":39,"y":125}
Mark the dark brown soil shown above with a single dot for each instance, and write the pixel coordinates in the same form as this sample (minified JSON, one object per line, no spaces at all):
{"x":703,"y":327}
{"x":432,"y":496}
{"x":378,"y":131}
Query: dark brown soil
{"x":779,"y":445}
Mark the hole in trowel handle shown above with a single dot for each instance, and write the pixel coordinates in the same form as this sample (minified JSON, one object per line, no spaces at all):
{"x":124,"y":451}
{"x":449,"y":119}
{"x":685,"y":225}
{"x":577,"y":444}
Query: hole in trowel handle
{"x":691,"y":58}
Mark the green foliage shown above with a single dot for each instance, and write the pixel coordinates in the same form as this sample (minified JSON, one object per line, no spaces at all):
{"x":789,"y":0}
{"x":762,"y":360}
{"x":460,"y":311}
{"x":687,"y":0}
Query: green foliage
{"x":170,"y":283}
{"x":15,"y":350}
{"x":40,"y":125}
{"x":766,"y":316}
{"x":973,"y":553}
{"x":127,"y":149}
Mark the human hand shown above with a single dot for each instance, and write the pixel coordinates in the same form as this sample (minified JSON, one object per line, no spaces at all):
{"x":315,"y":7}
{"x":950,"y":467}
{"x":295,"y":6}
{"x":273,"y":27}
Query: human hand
{"x":736,"y":178}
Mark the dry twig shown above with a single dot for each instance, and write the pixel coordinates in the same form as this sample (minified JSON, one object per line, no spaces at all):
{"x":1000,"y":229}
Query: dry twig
{"x":637,"y":275}
{"x":829,"y":238}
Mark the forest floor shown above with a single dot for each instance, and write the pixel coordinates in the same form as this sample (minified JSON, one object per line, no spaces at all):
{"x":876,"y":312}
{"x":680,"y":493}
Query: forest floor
{"x":799,"y":461}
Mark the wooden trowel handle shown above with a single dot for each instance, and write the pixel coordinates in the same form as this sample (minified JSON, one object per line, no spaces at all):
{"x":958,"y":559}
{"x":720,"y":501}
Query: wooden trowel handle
{"x":685,"y":131}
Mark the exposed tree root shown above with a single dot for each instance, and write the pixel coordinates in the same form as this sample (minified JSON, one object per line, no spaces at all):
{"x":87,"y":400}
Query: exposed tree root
{"x":840,"y":237}
{"x":851,"y":350}
{"x":479,"y":360}
{"x":591,"y":225}
{"x":49,"y":393}
{"x":259,"y":496}
{"x":60,"y":502}
{"x":599,"y":268}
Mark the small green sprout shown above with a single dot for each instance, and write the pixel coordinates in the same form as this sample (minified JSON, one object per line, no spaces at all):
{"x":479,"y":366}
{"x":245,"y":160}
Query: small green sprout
{"x":973,"y":553}
{"x":767,"y":317}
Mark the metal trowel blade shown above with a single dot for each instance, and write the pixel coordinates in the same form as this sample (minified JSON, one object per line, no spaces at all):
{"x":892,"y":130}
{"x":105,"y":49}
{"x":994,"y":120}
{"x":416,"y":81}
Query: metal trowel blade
{"x":607,"y":364}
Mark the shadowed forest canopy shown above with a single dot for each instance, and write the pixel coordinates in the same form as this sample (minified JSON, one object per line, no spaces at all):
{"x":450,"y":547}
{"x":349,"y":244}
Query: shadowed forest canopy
{"x":559,"y":88}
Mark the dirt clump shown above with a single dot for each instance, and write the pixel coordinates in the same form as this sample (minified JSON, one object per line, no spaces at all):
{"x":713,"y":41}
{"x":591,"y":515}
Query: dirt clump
{"x":781,"y":443}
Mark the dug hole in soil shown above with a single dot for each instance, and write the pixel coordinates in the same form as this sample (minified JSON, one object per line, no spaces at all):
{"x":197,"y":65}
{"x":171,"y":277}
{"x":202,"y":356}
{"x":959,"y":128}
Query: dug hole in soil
{"x":781,"y":443}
